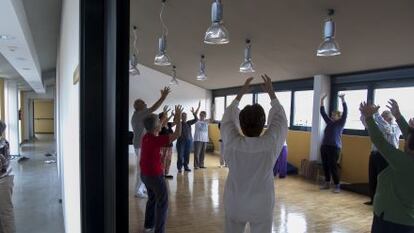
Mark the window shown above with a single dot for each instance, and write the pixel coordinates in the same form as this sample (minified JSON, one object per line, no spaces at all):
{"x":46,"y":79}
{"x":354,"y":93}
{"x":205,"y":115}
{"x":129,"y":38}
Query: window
{"x":246,"y":100}
{"x":218,"y":108}
{"x":229,"y":99}
{"x":284,"y":98}
{"x":264,"y":100}
{"x":403,"y":95}
{"x":353,"y":98}
{"x":303,"y":108}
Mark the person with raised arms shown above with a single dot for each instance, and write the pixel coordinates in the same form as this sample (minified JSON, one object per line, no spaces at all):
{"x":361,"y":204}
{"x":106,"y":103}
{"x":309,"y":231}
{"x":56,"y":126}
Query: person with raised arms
{"x":249,"y":194}
{"x":394,"y":198}
{"x":152,"y":169}
{"x":137,"y":122}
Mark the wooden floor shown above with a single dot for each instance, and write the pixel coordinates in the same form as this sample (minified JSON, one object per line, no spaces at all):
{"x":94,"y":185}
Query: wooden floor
{"x":196,"y":205}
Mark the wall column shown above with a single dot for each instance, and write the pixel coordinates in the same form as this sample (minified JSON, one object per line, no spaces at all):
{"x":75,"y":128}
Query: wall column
{"x":12,"y":115}
{"x":321,"y":86}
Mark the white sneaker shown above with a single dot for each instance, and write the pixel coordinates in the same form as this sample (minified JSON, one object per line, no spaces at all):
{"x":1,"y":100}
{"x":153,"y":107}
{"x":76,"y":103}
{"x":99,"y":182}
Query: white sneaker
{"x":337,"y":189}
{"x":141,"y":195}
{"x":148,"y":230}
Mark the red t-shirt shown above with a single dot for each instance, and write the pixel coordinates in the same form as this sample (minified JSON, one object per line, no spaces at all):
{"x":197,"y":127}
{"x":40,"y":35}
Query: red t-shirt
{"x":151,"y":154}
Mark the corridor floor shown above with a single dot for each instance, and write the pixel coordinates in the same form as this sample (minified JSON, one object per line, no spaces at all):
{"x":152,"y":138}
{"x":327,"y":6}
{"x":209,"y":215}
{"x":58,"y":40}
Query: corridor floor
{"x":196,"y":205}
{"x":37,"y":189}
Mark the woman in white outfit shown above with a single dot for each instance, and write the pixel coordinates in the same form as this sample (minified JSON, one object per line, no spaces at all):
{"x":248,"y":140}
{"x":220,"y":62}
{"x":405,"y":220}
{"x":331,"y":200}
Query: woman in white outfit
{"x":249,"y":194}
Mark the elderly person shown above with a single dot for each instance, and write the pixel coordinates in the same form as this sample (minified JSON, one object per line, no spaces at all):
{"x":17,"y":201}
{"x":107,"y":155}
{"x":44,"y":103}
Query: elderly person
{"x":332,"y":143}
{"x":152,"y":172}
{"x":137,"y":122}
{"x":6,"y":186}
{"x":185,"y":140}
{"x":166,"y":151}
{"x":394,"y":199}
{"x":200,"y":140}
{"x":377,"y":163}
{"x":249,"y":194}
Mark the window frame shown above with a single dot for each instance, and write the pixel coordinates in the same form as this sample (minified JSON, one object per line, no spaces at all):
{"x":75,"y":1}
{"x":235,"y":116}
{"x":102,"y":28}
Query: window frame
{"x":370,"y":80}
{"x":278,"y":86}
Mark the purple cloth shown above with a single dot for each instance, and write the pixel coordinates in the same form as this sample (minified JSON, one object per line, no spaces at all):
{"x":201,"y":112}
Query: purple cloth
{"x":281,"y":163}
{"x":333,"y":130}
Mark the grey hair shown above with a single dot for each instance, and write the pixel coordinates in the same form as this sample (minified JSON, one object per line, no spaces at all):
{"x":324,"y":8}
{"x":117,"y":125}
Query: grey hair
{"x":2,"y":127}
{"x":151,"y":122}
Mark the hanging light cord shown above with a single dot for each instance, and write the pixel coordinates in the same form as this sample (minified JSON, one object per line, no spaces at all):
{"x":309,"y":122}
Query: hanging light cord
{"x":164,"y":27}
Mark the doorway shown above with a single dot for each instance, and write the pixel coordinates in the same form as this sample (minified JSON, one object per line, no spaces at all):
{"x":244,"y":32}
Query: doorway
{"x":43,"y":117}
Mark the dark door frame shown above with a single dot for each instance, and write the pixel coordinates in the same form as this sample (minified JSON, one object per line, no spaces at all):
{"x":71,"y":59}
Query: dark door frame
{"x":104,"y":94}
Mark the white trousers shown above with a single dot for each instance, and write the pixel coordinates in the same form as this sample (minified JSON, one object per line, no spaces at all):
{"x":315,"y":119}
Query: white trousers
{"x":139,"y":185}
{"x":234,"y":226}
{"x":7,"y":224}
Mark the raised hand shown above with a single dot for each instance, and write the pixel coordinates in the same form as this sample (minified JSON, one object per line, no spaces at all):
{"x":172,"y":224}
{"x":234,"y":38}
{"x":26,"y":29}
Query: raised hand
{"x":411,"y":123}
{"x":267,"y":86}
{"x":177,"y":113}
{"x":166,"y":109}
{"x":342,"y":97}
{"x":195,"y":112}
{"x":394,"y":108}
{"x":323,"y":99}
{"x":368,"y":110}
{"x":165,"y":92}
{"x":244,"y":89}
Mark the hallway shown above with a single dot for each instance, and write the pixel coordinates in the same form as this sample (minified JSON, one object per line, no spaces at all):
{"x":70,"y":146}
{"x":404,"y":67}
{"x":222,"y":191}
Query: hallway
{"x":37,"y":189}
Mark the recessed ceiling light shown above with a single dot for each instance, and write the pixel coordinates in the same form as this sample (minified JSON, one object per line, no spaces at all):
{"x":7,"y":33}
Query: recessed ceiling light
{"x":25,"y":68}
{"x":6,"y":37}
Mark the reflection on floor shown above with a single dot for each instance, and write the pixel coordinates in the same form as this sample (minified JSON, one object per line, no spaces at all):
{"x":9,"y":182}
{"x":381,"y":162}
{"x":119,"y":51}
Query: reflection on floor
{"x":37,"y":190}
{"x":196,"y":205}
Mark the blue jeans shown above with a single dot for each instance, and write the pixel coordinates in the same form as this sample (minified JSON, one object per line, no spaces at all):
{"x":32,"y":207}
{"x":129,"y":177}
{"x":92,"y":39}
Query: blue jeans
{"x":157,"y":204}
{"x":183,"y":151}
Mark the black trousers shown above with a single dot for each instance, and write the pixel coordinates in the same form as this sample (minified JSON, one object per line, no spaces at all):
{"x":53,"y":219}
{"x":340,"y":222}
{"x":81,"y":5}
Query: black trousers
{"x":329,"y":156}
{"x":377,"y":164}
{"x":379,"y":225}
{"x":157,"y":203}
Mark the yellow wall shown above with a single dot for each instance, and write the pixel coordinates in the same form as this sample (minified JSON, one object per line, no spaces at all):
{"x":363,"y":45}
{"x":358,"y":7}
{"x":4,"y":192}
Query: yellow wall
{"x":355,"y":152}
{"x":298,"y":141}
{"x":298,"y":146}
{"x":355,"y":157}
{"x":44,"y":116}
{"x":214,"y":134}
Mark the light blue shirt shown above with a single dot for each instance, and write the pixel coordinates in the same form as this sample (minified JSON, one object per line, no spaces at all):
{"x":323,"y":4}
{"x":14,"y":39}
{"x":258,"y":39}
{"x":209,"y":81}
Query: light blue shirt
{"x":391,"y":131}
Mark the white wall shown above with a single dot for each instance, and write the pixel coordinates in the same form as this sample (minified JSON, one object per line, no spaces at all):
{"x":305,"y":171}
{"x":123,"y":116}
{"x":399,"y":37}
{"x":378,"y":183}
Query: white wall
{"x":147,"y":87}
{"x":67,"y":105}
{"x":321,"y":87}
{"x":12,"y":115}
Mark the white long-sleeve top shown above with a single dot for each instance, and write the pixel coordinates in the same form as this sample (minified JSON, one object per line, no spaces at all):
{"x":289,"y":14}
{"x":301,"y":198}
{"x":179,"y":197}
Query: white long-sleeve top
{"x":391,"y":131}
{"x":201,"y":131}
{"x":249,"y":191}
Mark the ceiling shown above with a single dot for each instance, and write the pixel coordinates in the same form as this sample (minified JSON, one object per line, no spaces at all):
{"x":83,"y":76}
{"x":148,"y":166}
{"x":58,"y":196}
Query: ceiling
{"x":43,"y":19}
{"x":372,"y":34}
